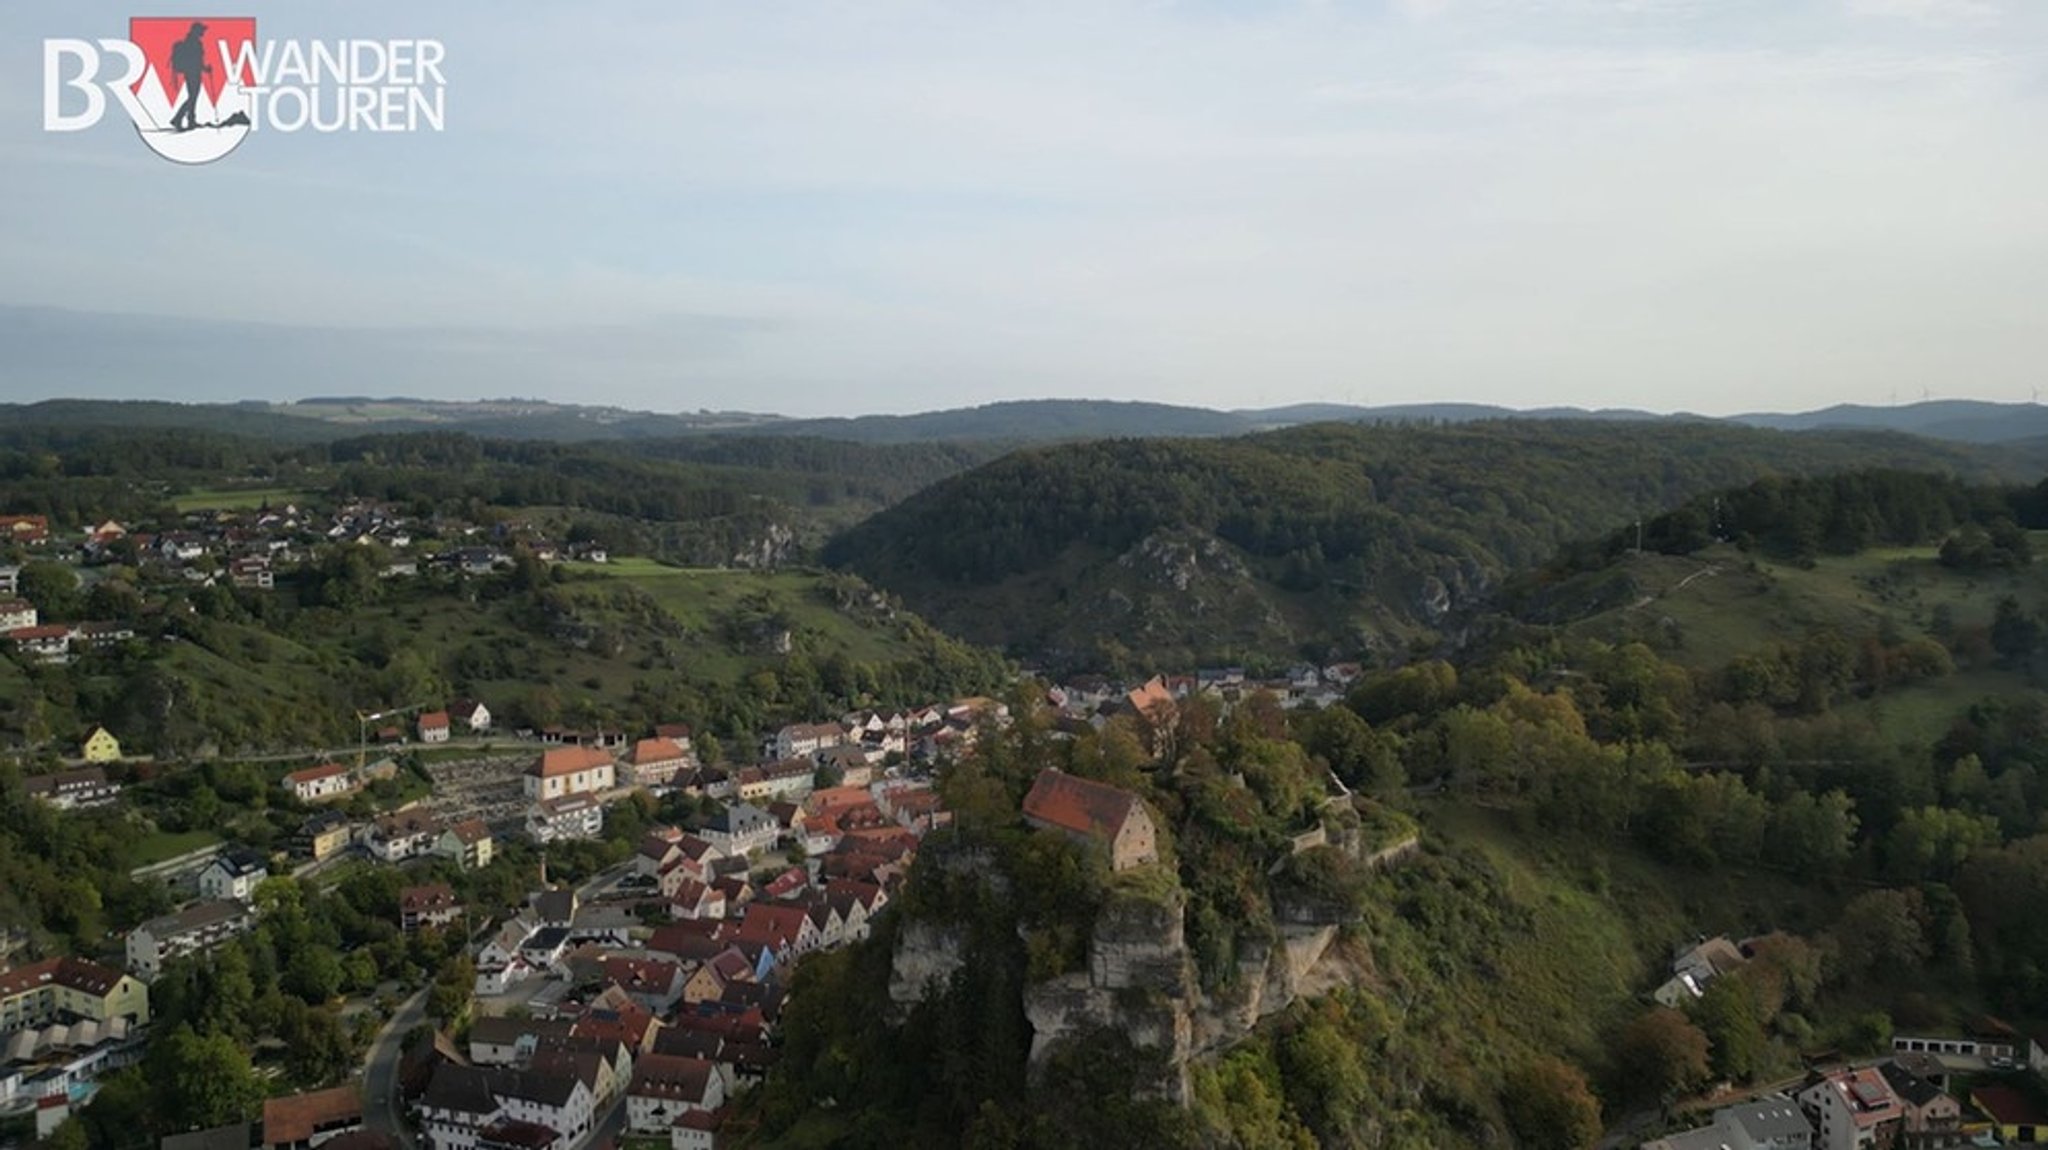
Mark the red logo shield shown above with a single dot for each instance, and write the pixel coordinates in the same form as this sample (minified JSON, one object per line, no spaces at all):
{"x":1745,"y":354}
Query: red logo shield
{"x":220,"y":39}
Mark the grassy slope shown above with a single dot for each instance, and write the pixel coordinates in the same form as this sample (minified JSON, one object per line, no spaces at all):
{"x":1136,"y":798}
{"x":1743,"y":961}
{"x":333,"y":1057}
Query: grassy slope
{"x":1706,"y":620}
{"x":240,"y":498}
{"x":1590,"y":933}
{"x":701,"y":599}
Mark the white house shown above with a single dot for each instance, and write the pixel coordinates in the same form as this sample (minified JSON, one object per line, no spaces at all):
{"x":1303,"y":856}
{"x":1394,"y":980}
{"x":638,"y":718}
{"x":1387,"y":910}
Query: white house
{"x":468,"y":842}
{"x":656,"y":762}
{"x":402,"y":835}
{"x":321,"y":783}
{"x":577,"y":816}
{"x":472,"y":715}
{"x":742,"y":829}
{"x":802,"y":740}
{"x":558,"y":1102}
{"x":197,"y":927}
{"x":433,"y":727}
{"x":16,"y":614}
{"x":1852,"y":1109}
{"x":569,"y":771}
{"x":234,"y":874}
{"x":667,"y":1086}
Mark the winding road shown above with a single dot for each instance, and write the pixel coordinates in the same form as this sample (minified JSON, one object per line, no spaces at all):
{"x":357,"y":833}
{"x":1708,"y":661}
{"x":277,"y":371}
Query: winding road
{"x":381,"y":1109}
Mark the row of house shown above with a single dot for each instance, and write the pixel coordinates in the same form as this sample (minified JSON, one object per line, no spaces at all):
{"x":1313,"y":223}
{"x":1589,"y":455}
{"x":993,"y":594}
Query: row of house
{"x":1901,"y":1102}
{"x":75,"y":789}
{"x":672,"y":1020}
{"x":59,"y":642}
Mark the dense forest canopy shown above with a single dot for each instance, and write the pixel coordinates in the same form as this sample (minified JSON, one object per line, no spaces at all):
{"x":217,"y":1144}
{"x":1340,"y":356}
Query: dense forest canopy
{"x":1337,"y":535}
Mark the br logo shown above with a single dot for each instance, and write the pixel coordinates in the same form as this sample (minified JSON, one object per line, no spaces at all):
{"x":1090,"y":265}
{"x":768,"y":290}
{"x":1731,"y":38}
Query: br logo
{"x":184,"y":82}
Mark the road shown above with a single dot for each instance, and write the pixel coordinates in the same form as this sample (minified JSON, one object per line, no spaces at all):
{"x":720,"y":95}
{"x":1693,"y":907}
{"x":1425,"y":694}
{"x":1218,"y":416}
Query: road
{"x":381,"y":1109}
{"x":612,"y":1126}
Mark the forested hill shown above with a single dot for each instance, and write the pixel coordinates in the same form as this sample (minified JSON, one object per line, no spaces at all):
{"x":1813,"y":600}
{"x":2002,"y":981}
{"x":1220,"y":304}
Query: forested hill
{"x":1319,"y":541}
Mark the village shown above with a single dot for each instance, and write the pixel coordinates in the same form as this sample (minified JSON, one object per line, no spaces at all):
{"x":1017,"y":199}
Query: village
{"x":1930,"y":1091}
{"x":632,"y":1005}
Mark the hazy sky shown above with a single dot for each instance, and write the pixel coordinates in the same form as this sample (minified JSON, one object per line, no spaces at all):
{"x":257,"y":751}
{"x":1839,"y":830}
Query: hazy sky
{"x":891,"y":205}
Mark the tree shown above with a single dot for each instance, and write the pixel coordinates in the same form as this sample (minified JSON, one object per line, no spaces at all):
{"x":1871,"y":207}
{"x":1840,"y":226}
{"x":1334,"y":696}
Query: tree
{"x":1785,"y":970}
{"x":202,"y":1082}
{"x":2014,"y":634}
{"x":1662,"y":1054}
{"x":314,"y":974}
{"x":52,"y":588}
{"x":1882,"y":934}
{"x":1727,"y":1013}
{"x":453,"y":986}
{"x":70,"y":1136}
{"x":1550,"y":1106}
{"x":1933,"y":843}
{"x":1813,"y":832}
{"x":1361,"y":756}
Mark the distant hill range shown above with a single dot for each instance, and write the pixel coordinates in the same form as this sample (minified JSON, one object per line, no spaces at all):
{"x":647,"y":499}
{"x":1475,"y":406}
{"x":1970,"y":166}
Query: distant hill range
{"x":1013,"y":423}
{"x":1316,"y":541}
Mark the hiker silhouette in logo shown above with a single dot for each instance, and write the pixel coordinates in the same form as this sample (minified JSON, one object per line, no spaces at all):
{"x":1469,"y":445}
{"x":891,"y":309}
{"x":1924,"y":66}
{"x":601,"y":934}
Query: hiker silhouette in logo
{"x":188,"y":60}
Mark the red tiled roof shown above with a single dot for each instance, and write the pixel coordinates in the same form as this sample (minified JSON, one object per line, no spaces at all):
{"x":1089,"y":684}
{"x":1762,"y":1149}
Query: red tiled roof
{"x":429,"y":897}
{"x":654,"y":751}
{"x":2008,"y":1107}
{"x":1079,"y":805}
{"x":641,"y":974}
{"x":80,"y":974}
{"x":568,"y":761}
{"x":434,"y":721}
{"x":472,"y":831}
{"x":314,"y":774}
{"x":296,"y":1117}
{"x":671,"y":1076}
{"x":1149,"y":699}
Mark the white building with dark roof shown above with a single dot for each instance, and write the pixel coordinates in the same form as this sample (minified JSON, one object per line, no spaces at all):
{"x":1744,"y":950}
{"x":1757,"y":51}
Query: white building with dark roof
{"x":198,"y":927}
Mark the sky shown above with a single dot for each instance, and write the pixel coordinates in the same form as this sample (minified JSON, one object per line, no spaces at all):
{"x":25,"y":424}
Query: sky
{"x":900,"y":205}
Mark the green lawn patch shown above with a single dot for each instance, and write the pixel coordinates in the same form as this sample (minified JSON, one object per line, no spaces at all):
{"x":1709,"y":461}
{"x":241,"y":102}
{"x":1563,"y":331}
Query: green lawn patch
{"x":160,"y":846}
{"x":240,"y":498}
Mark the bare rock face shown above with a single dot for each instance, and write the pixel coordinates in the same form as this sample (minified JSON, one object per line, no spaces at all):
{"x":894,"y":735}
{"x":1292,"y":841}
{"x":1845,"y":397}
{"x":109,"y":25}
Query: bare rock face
{"x":772,"y":548}
{"x":929,"y":953}
{"x":927,"y":957}
{"x":1139,"y":980}
{"x":1177,"y":558}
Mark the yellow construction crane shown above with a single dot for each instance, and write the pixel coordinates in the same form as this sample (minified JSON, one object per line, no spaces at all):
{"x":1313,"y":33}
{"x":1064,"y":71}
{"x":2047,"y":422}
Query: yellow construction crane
{"x":363,"y":721}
